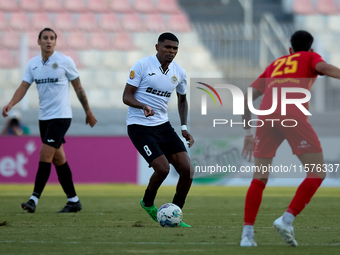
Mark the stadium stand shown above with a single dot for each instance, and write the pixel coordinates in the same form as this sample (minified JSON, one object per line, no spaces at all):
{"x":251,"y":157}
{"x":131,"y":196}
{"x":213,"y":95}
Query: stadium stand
{"x":3,"y":22}
{"x":303,"y":7}
{"x":132,"y":22}
{"x":327,"y":7}
{"x":41,"y":20}
{"x":30,"y":5}
{"x":144,"y":6}
{"x":121,"y":6}
{"x":19,"y":21}
{"x":77,"y":41}
{"x":86,"y":22}
{"x":75,"y":6}
{"x":10,"y":40}
{"x":52,"y":6}
{"x":110,"y":22}
{"x":168,"y":6}
{"x":64,"y":21}
{"x":97,"y":6}
{"x":155,"y":22}
{"x":8,"y":6}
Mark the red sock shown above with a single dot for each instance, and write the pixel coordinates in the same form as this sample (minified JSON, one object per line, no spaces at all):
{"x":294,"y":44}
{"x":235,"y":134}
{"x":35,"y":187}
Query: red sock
{"x":253,"y":201}
{"x":304,"y":193}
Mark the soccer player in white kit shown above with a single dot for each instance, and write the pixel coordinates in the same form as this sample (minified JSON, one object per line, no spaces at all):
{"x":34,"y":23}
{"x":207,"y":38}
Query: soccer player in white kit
{"x":147,"y":92}
{"x":52,"y":72}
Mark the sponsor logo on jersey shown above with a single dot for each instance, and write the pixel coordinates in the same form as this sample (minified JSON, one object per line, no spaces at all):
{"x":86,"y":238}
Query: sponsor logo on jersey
{"x":132,"y":74}
{"x":55,"y":66}
{"x":174,"y":79}
{"x":48,"y":80}
{"x":158,"y":92}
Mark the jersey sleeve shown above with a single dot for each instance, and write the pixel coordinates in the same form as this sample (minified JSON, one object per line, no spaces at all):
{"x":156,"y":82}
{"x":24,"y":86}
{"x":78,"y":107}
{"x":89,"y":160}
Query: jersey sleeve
{"x":181,"y":88}
{"x":260,"y":82}
{"x":28,"y":77}
{"x":136,"y":74}
{"x":71,"y":70}
{"x":316,"y":58}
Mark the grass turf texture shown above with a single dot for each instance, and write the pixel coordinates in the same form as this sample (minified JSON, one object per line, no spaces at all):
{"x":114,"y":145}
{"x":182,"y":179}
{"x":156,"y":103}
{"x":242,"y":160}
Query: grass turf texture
{"x":112,"y":221}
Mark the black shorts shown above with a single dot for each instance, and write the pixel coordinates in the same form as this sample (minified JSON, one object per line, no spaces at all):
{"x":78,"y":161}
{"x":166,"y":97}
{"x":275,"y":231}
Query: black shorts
{"x":154,"y":141}
{"x":52,"y":131}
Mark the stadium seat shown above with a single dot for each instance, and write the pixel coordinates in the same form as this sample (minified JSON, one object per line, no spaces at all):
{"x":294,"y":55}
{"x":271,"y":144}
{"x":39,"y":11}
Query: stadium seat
{"x":168,"y":6}
{"x":8,"y":6}
{"x":75,"y":6}
{"x":132,"y":22}
{"x":41,"y":20}
{"x":100,"y":41}
{"x":179,"y":23}
{"x":97,"y":6}
{"x":19,"y":21}
{"x":327,"y":7}
{"x":6,"y":59}
{"x":61,"y":42}
{"x":10,"y":40}
{"x":78,"y":41}
{"x":145,"y":6}
{"x":123,"y":41}
{"x":87,"y":22}
{"x":92,"y":59}
{"x":30,"y":5}
{"x":64,"y":21}
{"x":52,"y":6}
{"x":110,"y":22}
{"x":75,"y":56}
{"x":3,"y":22}
{"x":33,"y":40}
{"x":121,"y":6}
{"x":154,"y":23}
{"x":303,"y":7}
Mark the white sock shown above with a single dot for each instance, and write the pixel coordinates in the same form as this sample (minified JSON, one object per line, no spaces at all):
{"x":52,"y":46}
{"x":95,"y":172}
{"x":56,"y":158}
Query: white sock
{"x":248,"y":230}
{"x":288,"y":218}
{"x":35,"y":199}
{"x":73,"y":199}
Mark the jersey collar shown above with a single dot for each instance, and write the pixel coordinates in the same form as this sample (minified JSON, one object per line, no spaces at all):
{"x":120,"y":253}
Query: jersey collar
{"x":160,"y":66}
{"x":48,"y":60}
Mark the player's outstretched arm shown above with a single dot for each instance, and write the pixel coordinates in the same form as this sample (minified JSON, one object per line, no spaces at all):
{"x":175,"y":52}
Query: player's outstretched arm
{"x":327,"y":69}
{"x":90,"y":118}
{"x":182,"y":104}
{"x":248,"y":145}
{"x":18,"y":95}
{"x":130,"y":100}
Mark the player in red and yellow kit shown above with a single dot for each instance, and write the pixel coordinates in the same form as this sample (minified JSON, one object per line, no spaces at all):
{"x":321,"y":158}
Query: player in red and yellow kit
{"x":297,"y":70}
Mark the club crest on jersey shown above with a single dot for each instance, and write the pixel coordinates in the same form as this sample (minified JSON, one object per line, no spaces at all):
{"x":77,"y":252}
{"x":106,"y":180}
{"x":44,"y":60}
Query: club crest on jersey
{"x":55,"y":66}
{"x":174,"y":79}
{"x":132,"y":74}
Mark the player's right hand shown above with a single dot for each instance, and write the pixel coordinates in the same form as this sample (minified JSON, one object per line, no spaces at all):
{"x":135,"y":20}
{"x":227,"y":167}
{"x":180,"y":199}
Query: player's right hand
{"x":5,"y":110}
{"x":148,"y":111}
{"x":90,"y":119}
{"x":248,"y":147}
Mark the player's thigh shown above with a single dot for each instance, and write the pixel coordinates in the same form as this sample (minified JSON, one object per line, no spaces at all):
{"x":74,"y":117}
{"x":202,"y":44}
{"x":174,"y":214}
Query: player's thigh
{"x":52,"y":131}
{"x":145,"y":142}
{"x":160,"y":165}
{"x":302,"y":138}
{"x":268,"y":138}
{"x":170,"y":143}
{"x":182,"y":164}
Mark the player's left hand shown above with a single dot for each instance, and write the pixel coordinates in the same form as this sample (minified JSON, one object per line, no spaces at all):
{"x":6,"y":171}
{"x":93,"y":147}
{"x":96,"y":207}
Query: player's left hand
{"x":188,"y":137}
{"x":248,"y":147}
{"x":90,"y":119}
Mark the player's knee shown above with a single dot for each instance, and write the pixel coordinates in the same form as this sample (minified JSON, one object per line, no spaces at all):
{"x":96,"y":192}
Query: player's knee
{"x":162,"y":170}
{"x":45,"y":156}
{"x":264,"y":180}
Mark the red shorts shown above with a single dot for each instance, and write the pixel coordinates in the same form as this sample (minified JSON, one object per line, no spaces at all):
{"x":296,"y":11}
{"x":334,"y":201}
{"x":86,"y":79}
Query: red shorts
{"x":301,"y":138}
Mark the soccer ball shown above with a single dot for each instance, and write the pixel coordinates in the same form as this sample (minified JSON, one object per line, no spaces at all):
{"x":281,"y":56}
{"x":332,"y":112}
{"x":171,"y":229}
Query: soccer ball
{"x":169,"y":215}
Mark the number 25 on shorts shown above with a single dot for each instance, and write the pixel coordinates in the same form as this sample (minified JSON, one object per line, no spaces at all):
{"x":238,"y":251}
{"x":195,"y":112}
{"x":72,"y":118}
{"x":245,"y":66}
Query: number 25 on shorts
{"x":147,"y":150}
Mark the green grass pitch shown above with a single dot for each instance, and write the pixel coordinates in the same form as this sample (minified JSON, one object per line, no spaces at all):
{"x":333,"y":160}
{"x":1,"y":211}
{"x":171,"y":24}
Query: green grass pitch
{"x":112,"y":222}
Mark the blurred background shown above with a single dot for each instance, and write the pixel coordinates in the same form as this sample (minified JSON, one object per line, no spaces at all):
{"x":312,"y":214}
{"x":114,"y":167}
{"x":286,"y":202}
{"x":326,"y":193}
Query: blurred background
{"x":218,"y":39}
